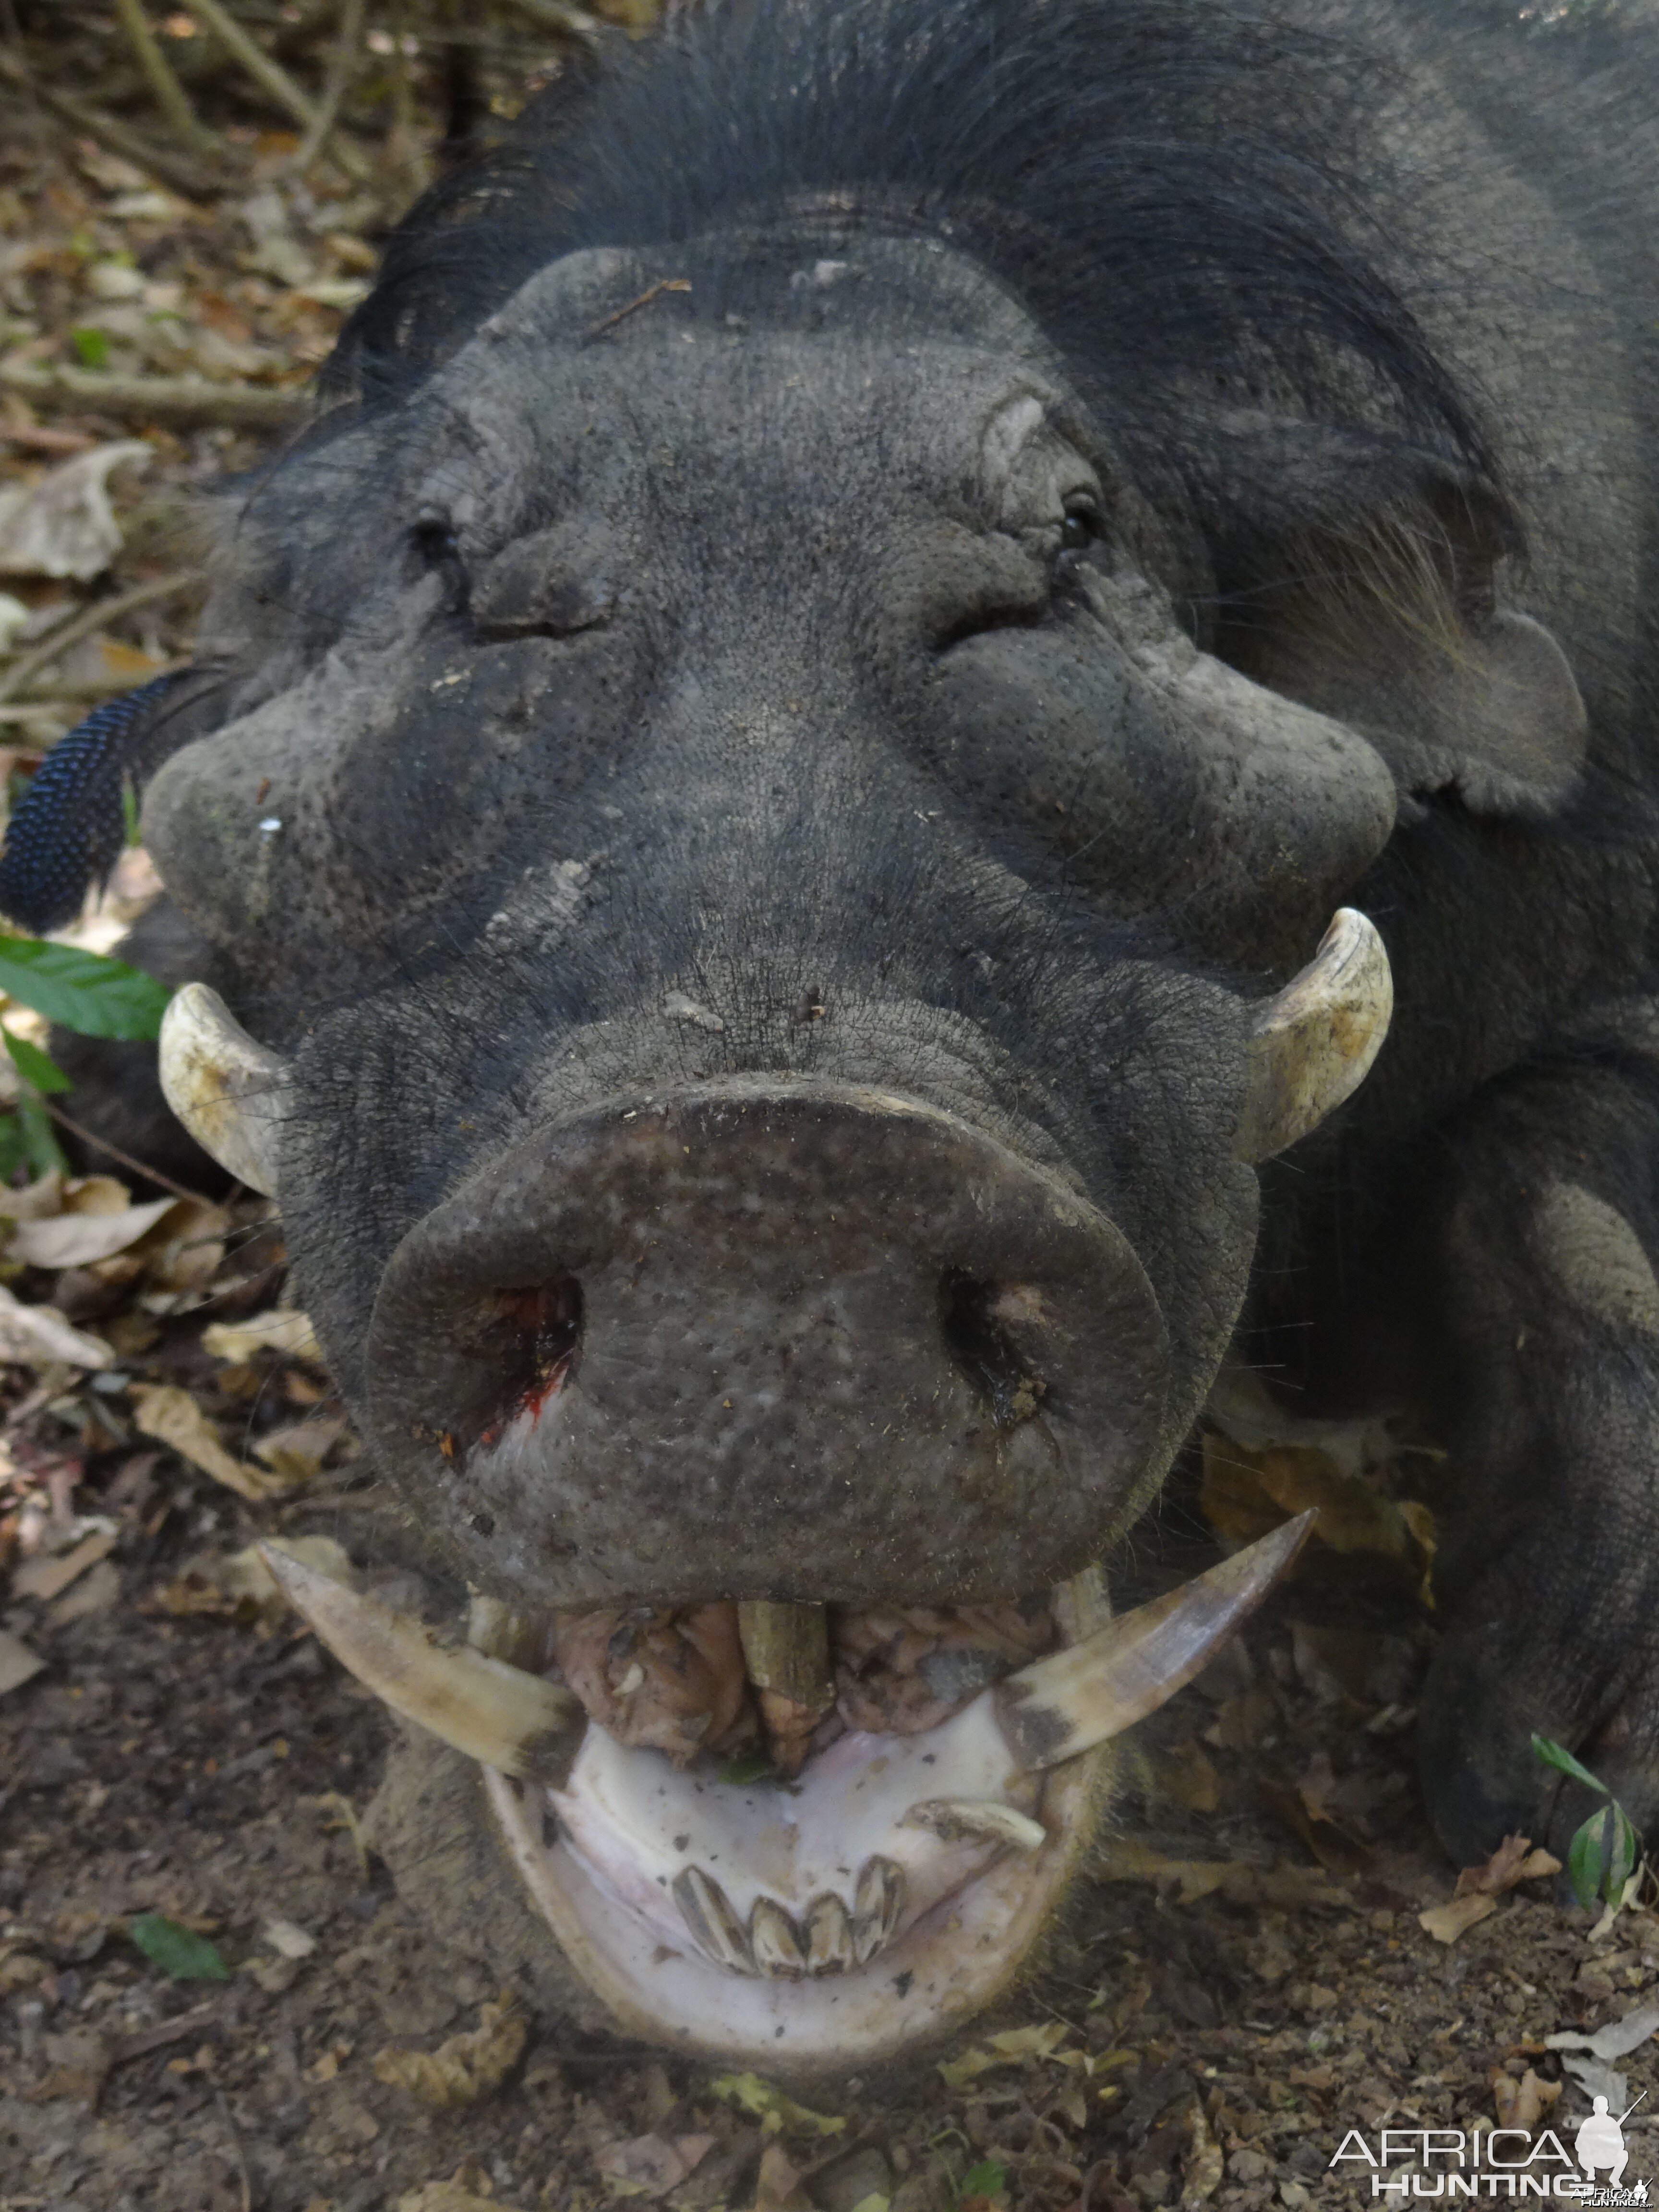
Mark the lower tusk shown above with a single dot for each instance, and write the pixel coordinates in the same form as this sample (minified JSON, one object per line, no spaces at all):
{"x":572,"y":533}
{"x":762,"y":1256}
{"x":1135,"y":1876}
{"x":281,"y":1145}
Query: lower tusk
{"x":228,"y":1092}
{"x":951,"y":1819}
{"x":1312,"y":1044}
{"x":1065,"y":1703}
{"x":497,"y":1714}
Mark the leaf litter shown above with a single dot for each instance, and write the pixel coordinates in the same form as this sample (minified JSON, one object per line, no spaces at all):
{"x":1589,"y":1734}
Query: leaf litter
{"x":1244,"y":1973}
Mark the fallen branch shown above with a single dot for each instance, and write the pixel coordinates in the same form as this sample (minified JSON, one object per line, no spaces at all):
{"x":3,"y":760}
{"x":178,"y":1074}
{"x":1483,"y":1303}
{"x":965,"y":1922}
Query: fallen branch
{"x":171,"y":96}
{"x":270,"y":76}
{"x":180,"y":174}
{"x":91,"y":618}
{"x":176,"y":403}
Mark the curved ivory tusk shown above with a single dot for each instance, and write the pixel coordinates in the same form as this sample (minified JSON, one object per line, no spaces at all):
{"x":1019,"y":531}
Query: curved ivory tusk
{"x":1312,"y":1043}
{"x":495,"y":1713}
{"x":227,"y":1091}
{"x":1075,"y":1699}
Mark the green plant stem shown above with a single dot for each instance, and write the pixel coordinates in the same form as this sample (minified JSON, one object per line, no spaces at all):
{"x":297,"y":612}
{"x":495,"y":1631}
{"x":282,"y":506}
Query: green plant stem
{"x":91,"y":618}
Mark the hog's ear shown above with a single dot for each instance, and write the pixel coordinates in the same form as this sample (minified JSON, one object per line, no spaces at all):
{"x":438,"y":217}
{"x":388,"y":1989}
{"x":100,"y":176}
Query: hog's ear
{"x":1366,"y":586}
{"x":67,"y":831}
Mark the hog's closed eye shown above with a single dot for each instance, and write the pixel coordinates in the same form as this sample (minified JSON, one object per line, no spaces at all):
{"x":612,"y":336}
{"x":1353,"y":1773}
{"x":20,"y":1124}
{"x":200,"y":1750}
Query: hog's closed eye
{"x":1081,"y":526}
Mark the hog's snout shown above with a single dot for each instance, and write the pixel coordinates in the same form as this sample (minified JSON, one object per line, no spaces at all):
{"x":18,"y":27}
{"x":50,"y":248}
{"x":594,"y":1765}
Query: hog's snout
{"x":768,"y":1340}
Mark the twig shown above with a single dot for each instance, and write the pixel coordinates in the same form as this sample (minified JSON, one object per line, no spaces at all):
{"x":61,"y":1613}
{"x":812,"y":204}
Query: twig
{"x":181,"y":175}
{"x":270,"y":76}
{"x":236,"y":2145}
{"x":165,"y":2030}
{"x":103,"y":1145}
{"x":342,"y":62}
{"x":553,"y":15}
{"x":173,"y":100}
{"x":655,"y":291}
{"x":46,"y":697}
{"x":91,"y":618}
{"x":177,"y":403}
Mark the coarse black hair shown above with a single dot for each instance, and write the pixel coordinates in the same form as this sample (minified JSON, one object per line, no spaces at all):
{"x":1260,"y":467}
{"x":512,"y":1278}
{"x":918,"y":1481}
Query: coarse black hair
{"x":1173,"y":191}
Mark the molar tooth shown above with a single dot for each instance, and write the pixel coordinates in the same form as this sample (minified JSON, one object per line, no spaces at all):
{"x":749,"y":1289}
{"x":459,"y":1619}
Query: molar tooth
{"x":830,"y":1946}
{"x":499,"y":1715}
{"x":775,"y":1941}
{"x":876,"y":1907}
{"x":1075,"y":1699}
{"x":951,"y":1819}
{"x":707,"y":1911}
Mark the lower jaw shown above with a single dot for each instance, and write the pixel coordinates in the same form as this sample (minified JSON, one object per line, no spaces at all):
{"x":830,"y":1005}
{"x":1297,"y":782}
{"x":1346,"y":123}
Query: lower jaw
{"x":939,"y":1970}
{"x":947,"y":1966}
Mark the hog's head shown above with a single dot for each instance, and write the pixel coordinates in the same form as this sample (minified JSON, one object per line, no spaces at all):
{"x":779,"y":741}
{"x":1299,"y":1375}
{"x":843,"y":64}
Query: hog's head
{"x":773,"y":942}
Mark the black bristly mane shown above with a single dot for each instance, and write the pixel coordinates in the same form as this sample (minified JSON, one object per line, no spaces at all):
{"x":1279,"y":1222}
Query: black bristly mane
{"x":1165,"y":187}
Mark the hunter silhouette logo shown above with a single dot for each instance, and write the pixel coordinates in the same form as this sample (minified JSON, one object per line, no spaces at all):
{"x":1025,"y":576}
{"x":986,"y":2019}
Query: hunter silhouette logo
{"x":1403,"y":2163}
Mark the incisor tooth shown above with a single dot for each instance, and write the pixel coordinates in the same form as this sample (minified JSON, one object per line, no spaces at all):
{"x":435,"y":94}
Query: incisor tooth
{"x":829,"y":1935}
{"x":776,"y":1943}
{"x":877,"y":1904}
{"x":951,"y":1819}
{"x":1076,"y":1698}
{"x":497,"y":1714}
{"x":707,"y":1911}
{"x":229,"y":1092}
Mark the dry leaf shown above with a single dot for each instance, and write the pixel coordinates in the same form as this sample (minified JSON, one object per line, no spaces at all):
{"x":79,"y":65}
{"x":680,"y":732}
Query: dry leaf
{"x":37,"y":1201}
{"x":1201,"y":2163}
{"x":777,"y":2185}
{"x":1245,"y":1494}
{"x":185,"y":1251}
{"x":1337,"y":1852}
{"x":297,"y":1452}
{"x":467,"y":2066}
{"x":1446,"y":1923}
{"x":46,"y":1574}
{"x":1287,"y":1888}
{"x":173,"y":1417}
{"x":283,"y":1329}
{"x":777,"y":2112}
{"x":226,"y":1581}
{"x":446,"y":2196}
{"x":649,"y":2165}
{"x":1617,"y":2039}
{"x":64,"y":525}
{"x":96,"y":1593}
{"x":18,"y":1664}
{"x":1187,"y":1777}
{"x":1514,"y":1861}
{"x":1522,"y":2104}
{"x":76,"y":2064}
{"x":77,"y":1240}
{"x":289,"y":1940}
{"x":39,"y":1336}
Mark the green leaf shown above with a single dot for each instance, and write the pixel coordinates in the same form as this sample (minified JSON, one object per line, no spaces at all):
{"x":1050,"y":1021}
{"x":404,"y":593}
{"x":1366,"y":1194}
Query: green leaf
{"x":40,"y":1072}
{"x":130,"y":811}
{"x":1627,"y":1846}
{"x":747,"y":1766}
{"x":188,"y":1957}
{"x":41,"y":1148}
{"x":87,"y":992}
{"x":13,"y":1145}
{"x":91,"y":347}
{"x":988,"y":2179}
{"x":1557,"y":1755}
{"x":1587,"y":1855}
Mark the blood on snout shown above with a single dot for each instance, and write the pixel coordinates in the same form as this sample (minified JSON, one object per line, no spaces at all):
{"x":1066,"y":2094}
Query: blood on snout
{"x":547,"y":1318}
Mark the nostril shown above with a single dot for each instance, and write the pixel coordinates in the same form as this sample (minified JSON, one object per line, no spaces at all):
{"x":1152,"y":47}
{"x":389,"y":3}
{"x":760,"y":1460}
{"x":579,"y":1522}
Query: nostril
{"x":982,"y":1348}
{"x":544,"y":1325}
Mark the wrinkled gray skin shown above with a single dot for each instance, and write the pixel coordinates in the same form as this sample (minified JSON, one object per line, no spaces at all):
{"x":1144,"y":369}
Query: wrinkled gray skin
{"x":749,"y":776}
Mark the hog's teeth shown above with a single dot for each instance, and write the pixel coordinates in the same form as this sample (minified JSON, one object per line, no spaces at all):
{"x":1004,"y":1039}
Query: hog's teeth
{"x":1312,"y":1044}
{"x":775,"y":1941}
{"x":954,"y":1817}
{"x":229,"y":1092}
{"x":829,"y":1935}
{"x":1075,"y":1699}
{"x":499,"y":1715}
{"x":876,"y":1907}
{"x":707,"y":1911}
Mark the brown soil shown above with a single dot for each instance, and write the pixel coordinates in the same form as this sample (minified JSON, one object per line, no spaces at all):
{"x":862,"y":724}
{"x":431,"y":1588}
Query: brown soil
{"x":1205,"y":2036}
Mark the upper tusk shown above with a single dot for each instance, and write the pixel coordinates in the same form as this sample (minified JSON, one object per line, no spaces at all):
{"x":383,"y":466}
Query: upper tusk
{"x":1064,"y":1704}
{"x":227,"y":1091}
{"x":495,"y":1713}
{"x":1312,"y":1044}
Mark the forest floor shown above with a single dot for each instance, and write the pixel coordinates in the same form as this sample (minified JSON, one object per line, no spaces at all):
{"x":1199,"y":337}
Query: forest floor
{"x":1246,"y":1978}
